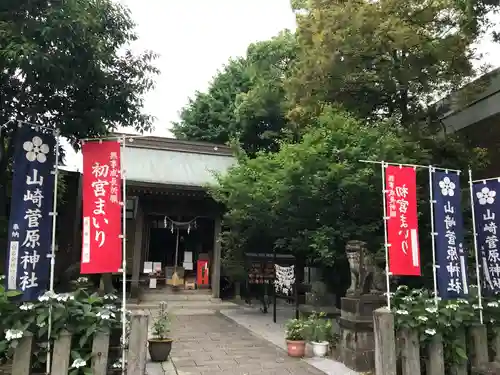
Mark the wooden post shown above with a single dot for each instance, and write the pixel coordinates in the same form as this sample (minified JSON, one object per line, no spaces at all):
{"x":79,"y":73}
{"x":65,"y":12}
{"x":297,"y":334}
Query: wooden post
{"x":60,"y":357}
{"x":385,"y":342}
{"x":496,"y":344}
{"x":137,"y":352}
{"x":22,"y":356}
{"x":100,"y":348}
{"x":410,"y":352}
{"x":460,"y":368}
{"x":436,"y":356}
{"x":479,"y":343}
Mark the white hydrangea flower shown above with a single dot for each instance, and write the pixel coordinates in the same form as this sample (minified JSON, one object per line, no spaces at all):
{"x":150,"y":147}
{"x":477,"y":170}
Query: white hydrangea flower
{"x":432,"y":310}
{"x":402,"y":312}
{"x":77,"y":363}
{"x":407,"y":299}
{"x":47,"y":296}
{"x":82,"y":280}
{"x":105,"y":315}
{"x":430,"y":331}
{"x":118,"y":364}
{"x":111,"y":297}
{"x":452,"y":306}
{"x":13,"y":334}
{"x":492,"y":304}
{"x":26,"y":306}
{"x":65,"y":297}
{"x":2,"y":277}
{"x":422,"y":318}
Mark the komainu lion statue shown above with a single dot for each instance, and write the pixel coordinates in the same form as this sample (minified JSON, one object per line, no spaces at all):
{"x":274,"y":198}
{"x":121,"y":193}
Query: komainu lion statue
{"x":366,"y":276}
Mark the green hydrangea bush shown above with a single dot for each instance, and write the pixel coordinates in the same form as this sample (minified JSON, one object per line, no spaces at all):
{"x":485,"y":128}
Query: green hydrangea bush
{"x":81,"y":312}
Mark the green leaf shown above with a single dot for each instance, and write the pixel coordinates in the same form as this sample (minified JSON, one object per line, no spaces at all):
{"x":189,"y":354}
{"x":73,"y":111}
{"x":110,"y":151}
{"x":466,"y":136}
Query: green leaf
{"x":13,"y":293}
{"x":461,"y":353}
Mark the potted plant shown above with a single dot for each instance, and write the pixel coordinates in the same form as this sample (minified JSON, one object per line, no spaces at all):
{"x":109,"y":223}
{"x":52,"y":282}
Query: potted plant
{"x":160,"y":344}
{"x":295,"y":339}
{"x":319,"y":331}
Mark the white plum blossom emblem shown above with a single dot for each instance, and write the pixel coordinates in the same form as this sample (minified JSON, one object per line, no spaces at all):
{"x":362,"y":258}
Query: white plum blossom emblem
{"x":36,"y":150}
{"x":486,"y":196}
{"x":447,"y":187}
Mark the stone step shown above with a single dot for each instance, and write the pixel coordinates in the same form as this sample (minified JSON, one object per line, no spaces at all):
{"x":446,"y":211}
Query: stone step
{"x":176,"y":297}
{"x":173,"y":306}
{"x":158,"y":296}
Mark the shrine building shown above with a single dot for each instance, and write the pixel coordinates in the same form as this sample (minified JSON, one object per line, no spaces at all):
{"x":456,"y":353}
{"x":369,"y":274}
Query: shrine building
{"x":172,"y":223}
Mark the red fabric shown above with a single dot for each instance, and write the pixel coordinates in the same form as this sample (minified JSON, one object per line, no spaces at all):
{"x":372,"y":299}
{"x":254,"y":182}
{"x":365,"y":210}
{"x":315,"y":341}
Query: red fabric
{"x":402,"y":222}
{"x":102,"y":210}
{"x":202,"y":272}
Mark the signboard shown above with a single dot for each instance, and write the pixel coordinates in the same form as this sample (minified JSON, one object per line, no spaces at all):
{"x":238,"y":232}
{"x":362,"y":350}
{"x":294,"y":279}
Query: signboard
{"x":402,"y":224}
{"x":102,"y":227}
{"x":450,"y":254}
{"x":487,"y":213}
{"x":30,"y":220}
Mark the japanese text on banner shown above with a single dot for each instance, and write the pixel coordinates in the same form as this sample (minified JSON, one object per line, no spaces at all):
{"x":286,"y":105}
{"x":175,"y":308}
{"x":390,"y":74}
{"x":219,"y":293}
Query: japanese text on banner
{"x":101,"y":245}
{"x":450,"y":254}
{"x":402,"y":225}
{"x":487,"y":211}
{"x":30,"y":224}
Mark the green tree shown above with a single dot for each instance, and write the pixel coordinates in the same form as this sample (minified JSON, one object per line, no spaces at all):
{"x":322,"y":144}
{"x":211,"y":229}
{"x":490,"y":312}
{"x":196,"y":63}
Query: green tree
{"x":313,"y":196}
{"x":246,"y":100}
{"x":64,"y":64}
{"x":385,"y":58}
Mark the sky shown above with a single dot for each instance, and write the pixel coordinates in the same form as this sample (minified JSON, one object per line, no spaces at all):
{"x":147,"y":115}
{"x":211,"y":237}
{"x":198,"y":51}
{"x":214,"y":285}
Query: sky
{"x":195,"y":38}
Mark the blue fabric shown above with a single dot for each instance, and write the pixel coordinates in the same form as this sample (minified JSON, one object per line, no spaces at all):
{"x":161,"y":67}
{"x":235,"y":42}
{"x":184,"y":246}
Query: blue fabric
{"x":30,"y":222}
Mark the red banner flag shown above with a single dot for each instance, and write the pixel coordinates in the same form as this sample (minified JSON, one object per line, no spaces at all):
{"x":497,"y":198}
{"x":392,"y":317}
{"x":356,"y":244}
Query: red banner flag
{"x":402,"y":223}
{"x":102,"y":229}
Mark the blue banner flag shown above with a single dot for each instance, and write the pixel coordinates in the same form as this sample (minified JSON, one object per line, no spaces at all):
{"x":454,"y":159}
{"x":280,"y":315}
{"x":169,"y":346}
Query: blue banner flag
{"x":30,"y":222}
{"x":451,"y":256}
{"x":487,"y":211}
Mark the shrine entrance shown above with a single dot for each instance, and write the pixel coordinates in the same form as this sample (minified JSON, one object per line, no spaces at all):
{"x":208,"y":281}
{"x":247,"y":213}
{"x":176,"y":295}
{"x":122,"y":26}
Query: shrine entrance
{"x":180,"y":252}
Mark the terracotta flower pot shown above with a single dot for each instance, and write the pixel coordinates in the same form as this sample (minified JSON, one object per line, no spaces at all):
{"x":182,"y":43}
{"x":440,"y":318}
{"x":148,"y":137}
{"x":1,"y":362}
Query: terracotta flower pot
{"x":159,"y":350}
{"x":296,"y":348}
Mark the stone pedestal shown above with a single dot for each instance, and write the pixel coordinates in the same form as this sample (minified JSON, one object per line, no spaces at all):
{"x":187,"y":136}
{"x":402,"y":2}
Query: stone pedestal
{"x":357,"y":342}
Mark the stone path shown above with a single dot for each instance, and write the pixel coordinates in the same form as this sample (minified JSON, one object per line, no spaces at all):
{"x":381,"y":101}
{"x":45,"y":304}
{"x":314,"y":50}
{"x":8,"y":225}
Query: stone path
{"x":214,"y":345}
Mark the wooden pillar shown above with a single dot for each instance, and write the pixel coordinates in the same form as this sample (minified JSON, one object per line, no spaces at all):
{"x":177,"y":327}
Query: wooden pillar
{"x":385,"y":342}
{"x":137,"y":258}
{"x":138,"y":343}
{"x":216,"y":259}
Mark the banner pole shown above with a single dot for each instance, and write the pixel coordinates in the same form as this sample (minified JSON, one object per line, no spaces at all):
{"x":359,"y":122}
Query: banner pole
{"x":476,"y":252}
{"x":433,"y":235}
{"x":53,"y":246}
{"x":124,"y":253}
{"x":386,"y":245}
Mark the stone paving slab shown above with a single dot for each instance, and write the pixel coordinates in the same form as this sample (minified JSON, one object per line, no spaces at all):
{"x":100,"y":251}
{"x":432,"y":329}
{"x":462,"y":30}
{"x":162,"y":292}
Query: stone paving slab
{"x":262,"y":326}
{"x":214,"y":345}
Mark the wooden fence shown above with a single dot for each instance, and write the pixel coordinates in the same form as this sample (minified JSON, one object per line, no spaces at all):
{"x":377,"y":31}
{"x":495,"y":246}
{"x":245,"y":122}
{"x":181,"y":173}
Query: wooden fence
{"x":136,"y":354}
{"x":400,"y":352}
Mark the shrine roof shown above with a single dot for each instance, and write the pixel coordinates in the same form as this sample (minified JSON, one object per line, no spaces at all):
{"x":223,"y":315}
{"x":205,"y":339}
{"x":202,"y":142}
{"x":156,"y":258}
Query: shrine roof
{"x":173,"y":162}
